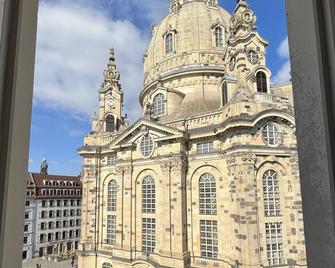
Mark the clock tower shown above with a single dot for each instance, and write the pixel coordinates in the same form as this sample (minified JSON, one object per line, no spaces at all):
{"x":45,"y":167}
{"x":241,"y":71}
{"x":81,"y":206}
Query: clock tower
{"x":110,"y":100}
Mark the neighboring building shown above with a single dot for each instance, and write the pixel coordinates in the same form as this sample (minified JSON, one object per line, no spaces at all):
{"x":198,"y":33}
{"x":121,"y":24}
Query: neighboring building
{"x":52,"y":214}
{"x":208,"y":177}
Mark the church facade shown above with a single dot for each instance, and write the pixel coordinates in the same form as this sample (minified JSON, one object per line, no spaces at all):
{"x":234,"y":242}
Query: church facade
{"x":208,"y":176}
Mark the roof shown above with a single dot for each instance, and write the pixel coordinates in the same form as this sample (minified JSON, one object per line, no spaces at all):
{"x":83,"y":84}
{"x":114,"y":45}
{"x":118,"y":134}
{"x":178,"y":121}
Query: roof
{"x":40,"y":178}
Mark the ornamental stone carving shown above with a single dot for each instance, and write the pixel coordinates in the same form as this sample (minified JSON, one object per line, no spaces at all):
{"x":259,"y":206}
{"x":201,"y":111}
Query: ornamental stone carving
{"x":89,"y":175}
{"x":124,"y":170}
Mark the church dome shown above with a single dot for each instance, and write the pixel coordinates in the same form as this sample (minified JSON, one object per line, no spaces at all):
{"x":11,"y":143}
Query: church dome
{"x":190,"y":26}
{"x":186,"y":60}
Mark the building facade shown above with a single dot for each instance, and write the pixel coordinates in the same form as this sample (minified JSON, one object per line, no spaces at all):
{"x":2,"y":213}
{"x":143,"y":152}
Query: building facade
{"x":208,"y":176}
{"x":52,"y":214}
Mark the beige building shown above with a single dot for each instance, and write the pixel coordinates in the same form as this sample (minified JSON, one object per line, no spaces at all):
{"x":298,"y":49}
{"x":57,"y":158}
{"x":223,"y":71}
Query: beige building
{"x":208,"y":176}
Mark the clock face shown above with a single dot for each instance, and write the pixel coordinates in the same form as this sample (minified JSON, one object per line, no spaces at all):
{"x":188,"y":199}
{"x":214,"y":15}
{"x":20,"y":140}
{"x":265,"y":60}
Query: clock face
{"x":111,"y":102}
{"x":253,"y":56}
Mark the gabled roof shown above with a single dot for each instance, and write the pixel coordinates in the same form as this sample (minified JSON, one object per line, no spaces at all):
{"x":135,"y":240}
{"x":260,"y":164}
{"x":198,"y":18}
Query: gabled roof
{"x":143,"y":125}
{"x":39,"y":179}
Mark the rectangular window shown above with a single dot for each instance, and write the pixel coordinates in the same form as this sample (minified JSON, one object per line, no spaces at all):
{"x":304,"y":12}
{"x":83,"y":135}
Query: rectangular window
{"x":41,"y":238}
{"x":25,"y":240}
{"x":51,"y":214}
{"x":43,"y":214}
{"x":111,"y":228}
{"x":148,"y":234}
{"x":59,"y":203}
{"x":49,"y":237}
{"x":271,"y":193}
{"x":274,"y":243}
{"x":26,"y":215}
{"x":205,"y":148}
{"x":44,"y":203}
{"x":26,"y":227}
{"x":209,"y":239}
{"x":27,"y":203}
{"x":111,"y":160}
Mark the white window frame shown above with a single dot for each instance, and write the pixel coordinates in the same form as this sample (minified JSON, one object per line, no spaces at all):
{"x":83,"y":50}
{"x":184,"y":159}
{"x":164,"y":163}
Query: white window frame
{"x":148,"y":235}
{"x":274,"y":243}
{"x":271,"y":134}
{"x":209,"y":239}
{"x":205,"y":147}
{"x":147,"y":146}
{"x":159,"y":105}
{"x":219,"y":36}
{"x":111,"y":230}
{"x":148,"y":194}
{"x":111,"y":160}
{"x":112,"y":195}
{"x":207,"y":195}
{"x":271,"y":193}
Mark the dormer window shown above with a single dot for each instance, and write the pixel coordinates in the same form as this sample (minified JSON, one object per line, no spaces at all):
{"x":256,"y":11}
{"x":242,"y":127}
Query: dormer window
{"x":261,"y":81}
{"x":110,"y":123}
{"x":218,"y":36}
{"x":169,"y":43}
{"x":159,"y":105}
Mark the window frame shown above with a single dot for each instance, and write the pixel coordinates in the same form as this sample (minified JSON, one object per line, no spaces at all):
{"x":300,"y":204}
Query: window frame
{"x":169,"y":46}
{"x":271,"y":195}
{"x":147,"y":147}
{"x":209,"y":239}
{"x":205,"y":147}
{"x":110,"y":125}
{"x":207,"y":185}
{"x":148,"y":195}
{"x":159,"y":106}
{"x":261,"y":82}
{"x":112,"y":189}
{"x":148,"y":235}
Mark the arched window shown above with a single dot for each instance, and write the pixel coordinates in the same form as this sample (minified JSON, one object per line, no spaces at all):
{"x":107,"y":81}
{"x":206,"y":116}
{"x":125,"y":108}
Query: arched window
{"x":271,"y":193}
{"x":106,"y":265}
{"x":112,"y":195}
{"x":159,"y":105}
{"x":169,"y":43}
{"x":148,"y":195}
{"x":224,"y":94}
{"x":261,"y":81}
{"x":218,"y":36}
{"x":207,"y":194}
{"x":110,"y":123}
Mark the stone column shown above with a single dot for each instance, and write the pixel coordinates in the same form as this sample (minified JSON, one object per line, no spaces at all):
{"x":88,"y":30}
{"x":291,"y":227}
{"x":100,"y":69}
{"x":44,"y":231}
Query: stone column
{"x":244,"y":212}
{"x":125,"y":172}
{"x":165,"y":201}
{"x":178,"y":209}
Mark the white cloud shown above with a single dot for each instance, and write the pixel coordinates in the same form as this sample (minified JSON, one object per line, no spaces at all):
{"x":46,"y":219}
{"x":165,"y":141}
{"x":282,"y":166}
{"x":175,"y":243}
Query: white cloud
{"x":73,"y":43}
{"x":284,"y":73}
{"x":283,"y":49}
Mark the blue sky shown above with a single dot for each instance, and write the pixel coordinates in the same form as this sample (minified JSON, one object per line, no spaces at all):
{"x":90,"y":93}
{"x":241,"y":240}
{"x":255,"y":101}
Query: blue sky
{"x":73,"y":42}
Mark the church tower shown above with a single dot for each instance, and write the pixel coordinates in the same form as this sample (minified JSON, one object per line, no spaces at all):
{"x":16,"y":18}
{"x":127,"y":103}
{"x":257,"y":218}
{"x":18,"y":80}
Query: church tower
{"x":110,"y":118}
{"x":208,"y":175}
